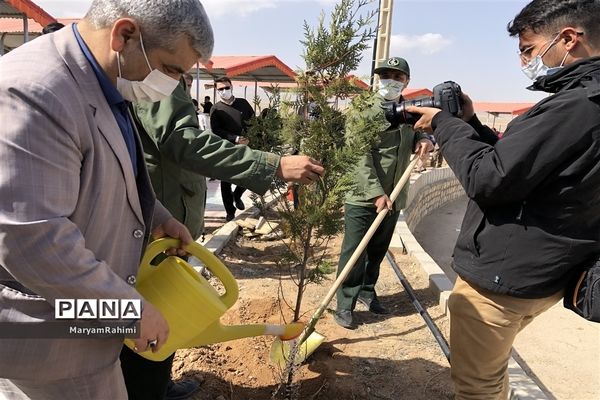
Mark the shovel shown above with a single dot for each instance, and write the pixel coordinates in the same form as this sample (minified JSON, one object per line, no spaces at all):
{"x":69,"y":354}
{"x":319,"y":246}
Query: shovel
{"x":282,"y":352}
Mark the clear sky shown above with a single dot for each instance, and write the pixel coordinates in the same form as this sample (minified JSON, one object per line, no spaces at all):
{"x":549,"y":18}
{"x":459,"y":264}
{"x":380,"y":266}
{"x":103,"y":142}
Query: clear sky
{"x":465,"y":41}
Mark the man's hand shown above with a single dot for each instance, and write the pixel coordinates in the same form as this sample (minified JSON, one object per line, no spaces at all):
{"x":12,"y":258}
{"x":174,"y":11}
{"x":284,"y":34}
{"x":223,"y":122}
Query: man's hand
{"x":177,"y":230}
{"x":243,"y":140}
{"x":468,"y":109}
{"x":154,"y":330}
{"x":423,"y":148}
{"x":300,"y":169}
{"x":427,"y":114}
{"x":382,"y":202}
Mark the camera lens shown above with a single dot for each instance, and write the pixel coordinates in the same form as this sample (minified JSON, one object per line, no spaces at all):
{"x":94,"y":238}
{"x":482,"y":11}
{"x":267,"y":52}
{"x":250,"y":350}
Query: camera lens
{"x":408,"y":118}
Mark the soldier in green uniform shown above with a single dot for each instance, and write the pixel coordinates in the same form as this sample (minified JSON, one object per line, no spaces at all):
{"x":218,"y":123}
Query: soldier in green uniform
{"x":376,"y":175}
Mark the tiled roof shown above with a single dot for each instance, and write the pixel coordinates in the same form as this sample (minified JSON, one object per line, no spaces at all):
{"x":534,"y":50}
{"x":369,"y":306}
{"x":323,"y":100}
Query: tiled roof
{"x":16,"y":8}
{"x":502,"y":108}
{"x":15,"y":25}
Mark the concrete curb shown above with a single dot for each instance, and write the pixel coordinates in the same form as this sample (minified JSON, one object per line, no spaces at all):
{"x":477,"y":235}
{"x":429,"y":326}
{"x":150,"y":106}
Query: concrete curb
{"x":522,"y":386}
{"x":224,"y":234}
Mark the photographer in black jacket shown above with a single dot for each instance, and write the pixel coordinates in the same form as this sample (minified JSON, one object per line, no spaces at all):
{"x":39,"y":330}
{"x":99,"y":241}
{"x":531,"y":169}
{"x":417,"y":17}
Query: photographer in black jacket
{"x":534,"y":212}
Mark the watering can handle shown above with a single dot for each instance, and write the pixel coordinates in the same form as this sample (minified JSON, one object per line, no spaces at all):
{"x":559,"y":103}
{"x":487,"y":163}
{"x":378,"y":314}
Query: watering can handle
{"x":209,"y":259}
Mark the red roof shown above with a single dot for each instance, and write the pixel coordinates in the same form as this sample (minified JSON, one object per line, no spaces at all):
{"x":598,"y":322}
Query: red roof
{"x":13,"y":25}
{"x":282,"y":85}
{"x":523,"y":110}
{"x":32,"y":10}
{"x":410,"y":94}
{"x":359,"y":83}
{"x":239,"y":65}
{"x":287,"y":85}
{"x":502,"y":108}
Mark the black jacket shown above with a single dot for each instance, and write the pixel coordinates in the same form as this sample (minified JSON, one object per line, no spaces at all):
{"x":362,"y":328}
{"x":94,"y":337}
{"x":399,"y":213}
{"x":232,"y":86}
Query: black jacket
{"x":230,"y":121}
{"x":534,"y":210}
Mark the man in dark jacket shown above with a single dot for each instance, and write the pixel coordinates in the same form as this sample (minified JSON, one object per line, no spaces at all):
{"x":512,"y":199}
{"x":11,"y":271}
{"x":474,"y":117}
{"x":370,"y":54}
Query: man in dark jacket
{"x":229,"y":118}
{"x":534,"y":212}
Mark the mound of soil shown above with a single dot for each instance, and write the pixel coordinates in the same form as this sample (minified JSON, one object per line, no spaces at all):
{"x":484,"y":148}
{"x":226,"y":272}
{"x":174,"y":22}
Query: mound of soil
{"x":387,"y":357}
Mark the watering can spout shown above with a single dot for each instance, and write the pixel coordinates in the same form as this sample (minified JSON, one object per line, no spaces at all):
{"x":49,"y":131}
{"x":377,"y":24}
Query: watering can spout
{"x":217,"y":333}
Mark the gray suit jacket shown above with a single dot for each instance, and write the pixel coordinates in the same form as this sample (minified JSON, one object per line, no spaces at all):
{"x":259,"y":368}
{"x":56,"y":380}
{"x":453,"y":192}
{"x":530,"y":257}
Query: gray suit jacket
{"x":73,"y":218}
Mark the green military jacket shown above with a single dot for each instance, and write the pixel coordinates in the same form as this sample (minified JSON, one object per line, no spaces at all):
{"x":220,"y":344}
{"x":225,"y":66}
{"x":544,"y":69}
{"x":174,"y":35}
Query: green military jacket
{"x":379,"y":170}
{"x":179,"y":157}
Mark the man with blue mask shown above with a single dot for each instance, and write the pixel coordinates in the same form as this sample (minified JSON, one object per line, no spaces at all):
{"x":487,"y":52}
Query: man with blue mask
{"x":535,"y":68}
{"x":76,"y":203}
{"x":376,"y":175}
{"x":534,"y":212}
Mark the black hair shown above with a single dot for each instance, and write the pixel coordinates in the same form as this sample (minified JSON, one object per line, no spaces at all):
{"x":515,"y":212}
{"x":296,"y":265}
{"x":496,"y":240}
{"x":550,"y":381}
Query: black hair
{"x":195,"y":102}
{"x":52,"y":27}
{"x":223,"y":79}
{"x":550,"y":16}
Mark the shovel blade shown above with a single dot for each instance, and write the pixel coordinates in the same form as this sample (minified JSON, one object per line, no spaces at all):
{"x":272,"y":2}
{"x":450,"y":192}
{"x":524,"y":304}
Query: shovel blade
{"x":281,"y":351}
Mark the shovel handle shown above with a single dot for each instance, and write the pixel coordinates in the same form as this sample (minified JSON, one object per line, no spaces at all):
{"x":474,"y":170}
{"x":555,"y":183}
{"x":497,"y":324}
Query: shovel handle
{"x":197,"y":250}
{"x":358,"y":251}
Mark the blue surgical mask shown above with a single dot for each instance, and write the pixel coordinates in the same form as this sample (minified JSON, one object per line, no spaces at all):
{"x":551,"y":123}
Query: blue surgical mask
{"x":536,"y":68}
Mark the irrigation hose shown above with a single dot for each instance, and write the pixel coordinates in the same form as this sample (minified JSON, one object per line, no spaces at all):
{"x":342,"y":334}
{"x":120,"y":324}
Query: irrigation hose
{"x":415,"y":302}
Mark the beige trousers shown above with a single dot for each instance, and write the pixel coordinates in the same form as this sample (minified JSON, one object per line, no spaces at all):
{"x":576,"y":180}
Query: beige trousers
{"x":483,"y":327}
{"x":106,"y":384}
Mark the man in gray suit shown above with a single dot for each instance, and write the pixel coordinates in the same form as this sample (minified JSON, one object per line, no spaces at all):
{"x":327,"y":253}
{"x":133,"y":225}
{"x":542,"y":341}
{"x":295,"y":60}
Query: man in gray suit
{"x":76,"y":204}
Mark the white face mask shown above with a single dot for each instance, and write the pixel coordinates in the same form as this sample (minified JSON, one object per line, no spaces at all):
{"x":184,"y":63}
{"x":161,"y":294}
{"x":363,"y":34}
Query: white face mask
{"x":536,"y":68}
{"x":155,"y":87}
{"x":390,"y":89}
{"x":226,"y":94}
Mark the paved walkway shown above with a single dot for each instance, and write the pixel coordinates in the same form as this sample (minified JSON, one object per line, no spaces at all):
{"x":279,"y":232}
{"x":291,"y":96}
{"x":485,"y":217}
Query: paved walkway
{"x":559,"y":350}
{"x":214,"y":215}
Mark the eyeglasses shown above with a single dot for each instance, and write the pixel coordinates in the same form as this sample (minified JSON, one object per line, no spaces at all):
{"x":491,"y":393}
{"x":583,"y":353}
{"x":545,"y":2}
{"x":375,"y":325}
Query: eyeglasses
{"x":525,"y":54}
{"x":223,"y":88}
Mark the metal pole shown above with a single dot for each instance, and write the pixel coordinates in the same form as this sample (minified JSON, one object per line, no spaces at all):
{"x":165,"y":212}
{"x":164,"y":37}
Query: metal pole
{"x":384,"y":28}
{"x":255,"y":94}
{"x":198,"y":82}
{"x":374,"y":60}
{"x":25,"y":29}
{"x":2,"y":44}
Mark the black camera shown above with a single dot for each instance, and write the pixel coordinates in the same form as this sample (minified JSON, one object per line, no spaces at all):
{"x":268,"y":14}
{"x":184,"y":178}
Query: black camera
{"x":447,"y":96}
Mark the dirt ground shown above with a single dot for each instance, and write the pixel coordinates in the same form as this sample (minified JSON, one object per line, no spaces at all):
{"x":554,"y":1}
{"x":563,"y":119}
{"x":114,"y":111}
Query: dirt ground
{"x":390,"y":357}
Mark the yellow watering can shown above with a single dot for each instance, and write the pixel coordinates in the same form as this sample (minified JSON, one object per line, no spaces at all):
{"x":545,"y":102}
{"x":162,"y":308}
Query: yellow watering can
{"x":191,"y":305}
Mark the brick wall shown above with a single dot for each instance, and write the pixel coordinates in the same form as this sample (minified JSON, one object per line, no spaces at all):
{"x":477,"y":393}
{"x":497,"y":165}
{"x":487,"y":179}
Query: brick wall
{"x":429,"y":191}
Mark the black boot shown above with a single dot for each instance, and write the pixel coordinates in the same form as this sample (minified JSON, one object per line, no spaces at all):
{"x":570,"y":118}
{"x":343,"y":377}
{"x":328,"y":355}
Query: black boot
{"x":344,"y":319}
{"x":374,"y":305}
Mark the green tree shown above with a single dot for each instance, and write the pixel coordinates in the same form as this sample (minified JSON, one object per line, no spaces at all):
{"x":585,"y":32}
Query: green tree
{"x":317,"y":126}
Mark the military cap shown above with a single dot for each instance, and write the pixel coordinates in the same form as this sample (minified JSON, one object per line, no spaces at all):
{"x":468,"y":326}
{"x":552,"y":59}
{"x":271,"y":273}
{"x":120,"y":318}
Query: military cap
{"x":393,"y":63}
